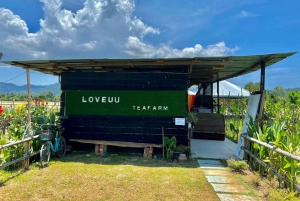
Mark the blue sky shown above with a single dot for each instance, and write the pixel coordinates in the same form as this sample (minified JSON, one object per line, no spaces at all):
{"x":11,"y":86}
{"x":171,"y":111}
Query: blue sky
{"x":54,"y":29}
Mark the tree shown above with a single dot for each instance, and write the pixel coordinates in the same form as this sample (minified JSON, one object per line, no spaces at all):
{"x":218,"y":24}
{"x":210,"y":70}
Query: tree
{"x":280,"y":91}
{"x":250,"y":86}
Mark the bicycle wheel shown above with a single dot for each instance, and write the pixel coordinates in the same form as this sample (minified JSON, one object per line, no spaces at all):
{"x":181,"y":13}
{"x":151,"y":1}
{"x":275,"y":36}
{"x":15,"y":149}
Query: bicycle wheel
{"x":45,"y":154}
{"x":61,"y":147}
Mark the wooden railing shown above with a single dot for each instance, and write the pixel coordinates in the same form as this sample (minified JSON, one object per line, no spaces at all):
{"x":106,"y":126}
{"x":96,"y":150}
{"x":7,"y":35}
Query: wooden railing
{"x":271,"y":148}
{"x":26,"y":155}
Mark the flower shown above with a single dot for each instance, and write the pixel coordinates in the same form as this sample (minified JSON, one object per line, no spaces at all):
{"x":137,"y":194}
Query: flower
{"x":1,"y":111}
{"x":37,"y":101}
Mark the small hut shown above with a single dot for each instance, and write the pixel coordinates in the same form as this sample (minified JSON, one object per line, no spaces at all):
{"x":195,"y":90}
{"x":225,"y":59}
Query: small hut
{"x":138,"y":100}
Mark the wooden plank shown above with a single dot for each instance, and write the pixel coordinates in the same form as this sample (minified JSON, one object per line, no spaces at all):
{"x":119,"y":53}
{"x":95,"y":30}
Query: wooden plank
{"x":122,"y":75}
{"x":145,"y":63}
{"x":154,"y":139}
{"x":136,"y":82}
{"x":122,"y":87}
{"x":118,"y":143}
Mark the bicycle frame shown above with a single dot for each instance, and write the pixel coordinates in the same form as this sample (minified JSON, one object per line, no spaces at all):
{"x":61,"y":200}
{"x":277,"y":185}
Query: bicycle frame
{"x":58,"y":147}
{"x":54,"y":147}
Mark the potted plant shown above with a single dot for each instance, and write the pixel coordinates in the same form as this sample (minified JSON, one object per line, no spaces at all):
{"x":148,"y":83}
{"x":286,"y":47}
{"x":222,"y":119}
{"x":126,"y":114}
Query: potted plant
{"x":169,"y":144}
{"x":181,"y":149}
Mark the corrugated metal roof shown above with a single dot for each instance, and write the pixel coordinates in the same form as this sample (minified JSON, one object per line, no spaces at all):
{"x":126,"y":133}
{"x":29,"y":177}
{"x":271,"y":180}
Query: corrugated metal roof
{"x":201,"y":69}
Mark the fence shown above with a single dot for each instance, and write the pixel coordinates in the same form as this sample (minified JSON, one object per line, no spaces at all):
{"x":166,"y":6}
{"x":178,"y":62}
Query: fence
{"x":26,"y":154}
{"x":248,"y":152}
{"x":13,"y":104}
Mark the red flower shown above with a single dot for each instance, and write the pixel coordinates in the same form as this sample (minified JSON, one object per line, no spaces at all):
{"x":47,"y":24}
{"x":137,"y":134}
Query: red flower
{"x":37,"y":101}
{"x":1,"y":111}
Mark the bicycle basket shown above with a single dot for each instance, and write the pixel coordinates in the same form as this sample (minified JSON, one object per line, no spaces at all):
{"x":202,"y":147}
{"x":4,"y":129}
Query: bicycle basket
{"x":46,"y":135}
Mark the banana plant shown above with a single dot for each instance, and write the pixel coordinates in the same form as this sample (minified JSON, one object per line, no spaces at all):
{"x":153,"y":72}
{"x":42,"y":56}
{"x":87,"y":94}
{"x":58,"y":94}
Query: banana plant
{"x":170,"y":144}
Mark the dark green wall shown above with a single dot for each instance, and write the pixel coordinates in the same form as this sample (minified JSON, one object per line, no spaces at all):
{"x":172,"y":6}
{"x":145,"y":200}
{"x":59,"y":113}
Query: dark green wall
{"x":125,"y":102}
{"x":119,"y":122}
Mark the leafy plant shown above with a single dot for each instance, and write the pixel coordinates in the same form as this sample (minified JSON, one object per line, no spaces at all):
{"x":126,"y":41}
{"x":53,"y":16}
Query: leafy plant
{"x":16,"y":122}
{"x":181,"y":149}
{"x":237,"y":165}
{"x":170,"y":144}
{"x":191,"y":117}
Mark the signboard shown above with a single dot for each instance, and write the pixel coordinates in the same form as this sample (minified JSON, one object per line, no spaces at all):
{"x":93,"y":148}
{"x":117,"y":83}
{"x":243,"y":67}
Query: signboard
{"x":132,"y":103}
{"x":180,"y":121}
{"x":253,"y":103}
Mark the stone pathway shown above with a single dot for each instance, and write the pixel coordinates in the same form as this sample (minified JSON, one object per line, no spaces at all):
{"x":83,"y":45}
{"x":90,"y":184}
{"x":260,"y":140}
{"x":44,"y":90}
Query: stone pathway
{"x":221,"y":179}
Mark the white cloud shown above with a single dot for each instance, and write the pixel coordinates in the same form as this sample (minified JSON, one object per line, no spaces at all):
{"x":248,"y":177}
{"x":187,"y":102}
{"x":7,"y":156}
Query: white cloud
{"x":135,"y":47}
{"x":98,"y":28}
{"x":245,"y":14}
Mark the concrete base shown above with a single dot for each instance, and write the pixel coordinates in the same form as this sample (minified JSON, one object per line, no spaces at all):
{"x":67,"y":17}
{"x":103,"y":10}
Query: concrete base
{"x":213,"y":149}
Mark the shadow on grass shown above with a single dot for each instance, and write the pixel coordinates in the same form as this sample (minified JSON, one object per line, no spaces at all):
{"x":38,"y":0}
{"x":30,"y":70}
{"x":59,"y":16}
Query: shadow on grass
{"x":13,"y":171}
{"x":88,"y":157}
{"x":124,"y":159}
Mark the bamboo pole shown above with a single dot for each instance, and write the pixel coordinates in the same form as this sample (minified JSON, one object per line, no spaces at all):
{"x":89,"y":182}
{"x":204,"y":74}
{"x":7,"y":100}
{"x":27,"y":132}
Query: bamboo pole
{"x":266,"y":166}
{"x":285,"y":153}
{"x":19,"y":159}
{"x":19,"y":142}
{"x":27,"y":144}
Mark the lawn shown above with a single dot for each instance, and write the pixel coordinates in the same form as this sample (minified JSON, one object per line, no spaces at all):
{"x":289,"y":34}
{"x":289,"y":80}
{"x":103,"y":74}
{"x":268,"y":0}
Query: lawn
{"x":85,"y":176}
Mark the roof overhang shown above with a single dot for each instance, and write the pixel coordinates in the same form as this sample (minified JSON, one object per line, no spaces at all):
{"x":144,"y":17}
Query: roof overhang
{"x":200,"y":69}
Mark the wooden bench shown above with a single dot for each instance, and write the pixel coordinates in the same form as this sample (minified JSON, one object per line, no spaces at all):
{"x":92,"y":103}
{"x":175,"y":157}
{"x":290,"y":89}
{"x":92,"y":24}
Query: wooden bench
{"x":101,"y":146}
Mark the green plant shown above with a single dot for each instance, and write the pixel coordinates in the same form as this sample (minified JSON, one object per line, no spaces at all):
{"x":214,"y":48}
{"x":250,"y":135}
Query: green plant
{"x":170,"y":144}
{"x":16,"y":121}
{"x":181,"y":149}
{"x":237,"y":165}
{"x":191,"y":117}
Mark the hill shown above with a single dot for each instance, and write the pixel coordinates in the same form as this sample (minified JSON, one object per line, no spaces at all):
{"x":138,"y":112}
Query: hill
{"x":35,"y":89}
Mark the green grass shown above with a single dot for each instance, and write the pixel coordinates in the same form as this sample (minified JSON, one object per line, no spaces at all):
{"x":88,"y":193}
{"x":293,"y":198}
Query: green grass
{"x":85,"y":176}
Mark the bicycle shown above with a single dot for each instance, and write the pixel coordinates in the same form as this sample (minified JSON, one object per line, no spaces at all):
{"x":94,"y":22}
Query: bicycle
{"x":59,"y":146}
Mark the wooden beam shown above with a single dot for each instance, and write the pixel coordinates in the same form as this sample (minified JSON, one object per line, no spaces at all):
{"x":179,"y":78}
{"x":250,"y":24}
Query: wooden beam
{"x":117,"y":143}
{"x":21,"y":65}
{"x":130,"y":64}
{"x":205,"y":73}
{"x":146,"y":63}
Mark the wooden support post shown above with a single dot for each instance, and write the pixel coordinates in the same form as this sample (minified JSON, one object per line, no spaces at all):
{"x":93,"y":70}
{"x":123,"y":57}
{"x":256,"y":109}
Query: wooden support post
{"x":247,"y":146}
{"x":218,"y":92}
{"x":150,"y":153}
{"x":27,"y":144}
{"x":262,"y":76}
{"x":102,"y":149}
{"x":97,"y":147}
{"x":146,"y":152}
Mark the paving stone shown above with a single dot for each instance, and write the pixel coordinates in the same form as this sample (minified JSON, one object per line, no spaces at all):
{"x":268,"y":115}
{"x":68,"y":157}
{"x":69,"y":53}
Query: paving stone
{"x":216,"y":172}
{"x":221,"y":179}
{"x":214,"y":162}
{"x":209,"y":166}
{"x":235,"y":197}
{"x":229,"y":188}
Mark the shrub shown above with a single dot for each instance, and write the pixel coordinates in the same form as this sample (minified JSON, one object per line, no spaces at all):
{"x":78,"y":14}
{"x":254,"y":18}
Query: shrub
{"x":237,"y":165}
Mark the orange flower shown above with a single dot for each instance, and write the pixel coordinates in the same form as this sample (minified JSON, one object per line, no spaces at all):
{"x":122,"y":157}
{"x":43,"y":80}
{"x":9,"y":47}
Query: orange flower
{"x":37,"y":101}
